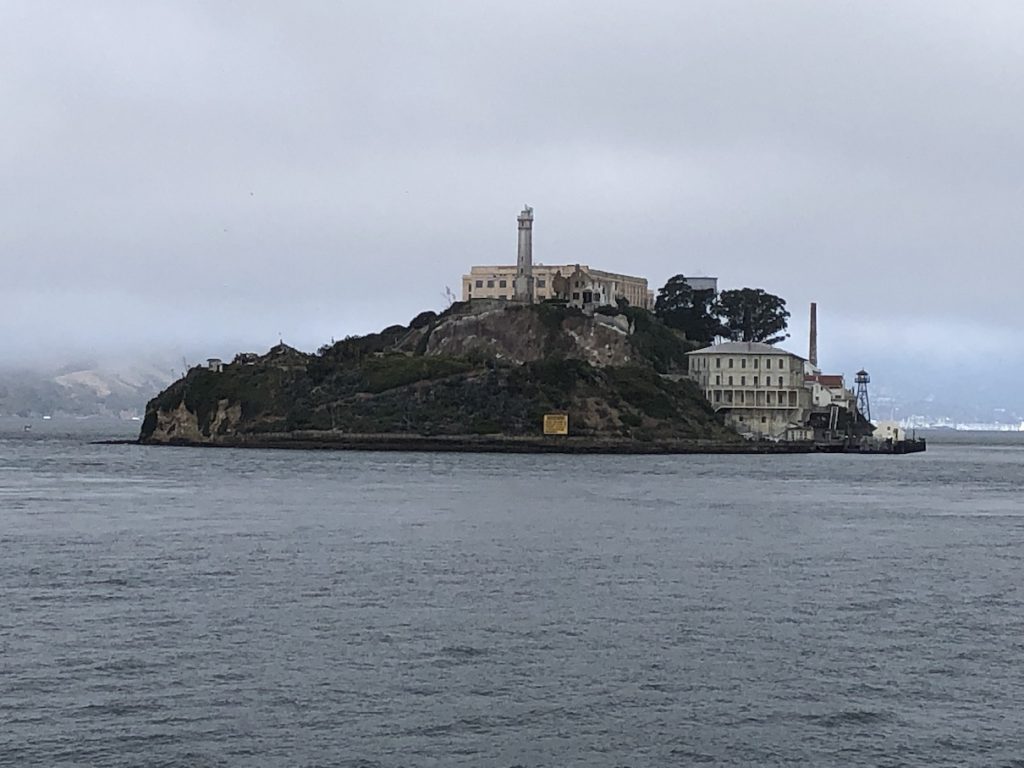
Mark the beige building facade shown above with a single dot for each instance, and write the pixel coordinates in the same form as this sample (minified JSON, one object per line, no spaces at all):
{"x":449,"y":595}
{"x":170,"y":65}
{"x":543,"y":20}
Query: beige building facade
{"x":760,"y":388}
{"x":578,"y":284}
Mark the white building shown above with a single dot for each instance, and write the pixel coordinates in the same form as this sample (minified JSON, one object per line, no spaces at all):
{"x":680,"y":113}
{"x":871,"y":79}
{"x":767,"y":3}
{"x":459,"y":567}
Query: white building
{"x":759,"y":388}
{"x":829,"y":389}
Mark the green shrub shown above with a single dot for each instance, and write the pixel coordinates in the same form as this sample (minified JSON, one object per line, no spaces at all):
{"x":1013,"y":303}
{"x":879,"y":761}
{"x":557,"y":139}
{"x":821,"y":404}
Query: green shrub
{"x":381,"y":374}
{"x":644,"y":390}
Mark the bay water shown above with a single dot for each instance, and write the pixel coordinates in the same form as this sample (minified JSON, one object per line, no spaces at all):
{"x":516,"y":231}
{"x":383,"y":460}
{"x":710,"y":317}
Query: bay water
{"x":210,"y":607}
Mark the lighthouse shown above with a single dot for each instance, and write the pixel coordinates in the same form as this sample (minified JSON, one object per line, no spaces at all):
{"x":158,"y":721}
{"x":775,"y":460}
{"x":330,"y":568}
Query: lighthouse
{"x":524,"y":262}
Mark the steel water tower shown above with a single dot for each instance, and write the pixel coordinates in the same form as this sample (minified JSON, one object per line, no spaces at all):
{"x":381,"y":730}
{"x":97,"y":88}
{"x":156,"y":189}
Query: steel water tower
{"x":863,"y":402}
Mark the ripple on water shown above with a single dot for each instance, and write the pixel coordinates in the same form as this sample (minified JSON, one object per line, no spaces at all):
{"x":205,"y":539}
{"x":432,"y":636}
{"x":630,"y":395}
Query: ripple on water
{"x":264,"y":609}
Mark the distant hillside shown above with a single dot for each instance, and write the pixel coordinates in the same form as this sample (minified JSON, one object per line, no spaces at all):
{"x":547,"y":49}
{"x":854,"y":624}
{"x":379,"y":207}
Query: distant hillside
{"x":480,"y":369}
{"x":81,"y":391}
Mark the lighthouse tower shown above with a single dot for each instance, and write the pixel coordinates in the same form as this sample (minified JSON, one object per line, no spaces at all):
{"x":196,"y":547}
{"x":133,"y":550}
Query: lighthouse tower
{"x":524,"y":262}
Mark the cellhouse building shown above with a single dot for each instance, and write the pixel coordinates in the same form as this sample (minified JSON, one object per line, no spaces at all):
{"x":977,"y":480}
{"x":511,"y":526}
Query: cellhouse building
{"x":577,"y":284}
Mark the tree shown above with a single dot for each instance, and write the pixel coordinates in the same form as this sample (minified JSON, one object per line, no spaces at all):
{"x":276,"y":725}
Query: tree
{"x":687,"y":310}
{"x":673,"y":297}
{"x":752,"y":314}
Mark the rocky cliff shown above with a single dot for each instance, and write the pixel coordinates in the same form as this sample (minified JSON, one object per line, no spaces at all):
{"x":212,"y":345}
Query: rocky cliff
{"x":481,"y":369}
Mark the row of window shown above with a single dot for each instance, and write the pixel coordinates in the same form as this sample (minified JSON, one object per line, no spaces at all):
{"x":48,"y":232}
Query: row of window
{"x":541,"y":283}
{"x":743,"y":363}
{"x":743,"y":381}
{"x":785,"y":399}
{"x":731,"y":363}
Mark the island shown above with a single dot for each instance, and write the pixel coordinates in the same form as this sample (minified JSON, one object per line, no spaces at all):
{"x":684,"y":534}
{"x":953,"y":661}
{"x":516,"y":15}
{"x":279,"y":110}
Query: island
{"x":480,"y":376}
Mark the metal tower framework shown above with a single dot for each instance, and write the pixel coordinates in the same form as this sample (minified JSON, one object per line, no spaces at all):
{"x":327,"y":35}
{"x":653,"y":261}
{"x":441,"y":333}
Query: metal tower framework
{"x":863,"y":401}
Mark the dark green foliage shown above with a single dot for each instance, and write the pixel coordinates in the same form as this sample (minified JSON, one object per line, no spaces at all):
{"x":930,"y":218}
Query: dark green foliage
{"x":355,"y":348}
{"x":672,"y":297}
{"x":752,"y":314}
{"x":647,"y":393}
{"x":149,"y":423}
{"x":423,"y":319}
{"x":553,"y":314}
{"x":558,"y":378}
{"x":484,"y":426}
{"x":664,"y":348}
{"x":379,"y":384}
{"x":687,"y":310}
{"x":254,"y":388}
{"x":456,"y":308}
{"x":389,"y":372}
{"x":631,"y":419}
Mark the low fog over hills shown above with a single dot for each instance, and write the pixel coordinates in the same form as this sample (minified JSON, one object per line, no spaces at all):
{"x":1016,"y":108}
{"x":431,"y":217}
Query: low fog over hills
{"x":82,"y":389}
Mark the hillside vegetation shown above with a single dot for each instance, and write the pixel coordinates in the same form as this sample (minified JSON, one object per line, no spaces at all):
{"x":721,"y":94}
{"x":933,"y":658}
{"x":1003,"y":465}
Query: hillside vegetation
{"x":473,"y":370}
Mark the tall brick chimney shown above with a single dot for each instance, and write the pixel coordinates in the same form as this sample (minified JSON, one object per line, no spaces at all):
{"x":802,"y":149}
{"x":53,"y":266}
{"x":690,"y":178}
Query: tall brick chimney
{"x":812,"y":352}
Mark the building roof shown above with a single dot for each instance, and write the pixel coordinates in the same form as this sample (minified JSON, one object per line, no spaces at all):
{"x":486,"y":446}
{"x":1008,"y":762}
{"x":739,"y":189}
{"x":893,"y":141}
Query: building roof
{"x":834,"y":381}
{"x":743,"y":348}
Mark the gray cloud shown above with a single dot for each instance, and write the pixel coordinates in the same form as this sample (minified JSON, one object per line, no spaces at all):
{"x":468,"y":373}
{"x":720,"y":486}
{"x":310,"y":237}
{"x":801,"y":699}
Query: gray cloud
{"x":211,"y":175}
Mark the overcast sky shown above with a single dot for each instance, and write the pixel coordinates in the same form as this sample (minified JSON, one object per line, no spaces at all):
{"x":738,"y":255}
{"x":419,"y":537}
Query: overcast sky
{"x":211,"y":175}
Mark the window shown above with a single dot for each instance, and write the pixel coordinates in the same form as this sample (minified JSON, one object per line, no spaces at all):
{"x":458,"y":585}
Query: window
{"x":764,"y":419}
{"x":502,"y":284}
{"x":780,"y":381}
{"x":718,"y":379}
{"x":730,"y":362}
{"x":576,"y":294}
{"x":755,"y":381}
{"x":718,"y":362}
{"x":756,"y":361}
{"x":771,"y":398}
{"x":490,"y":283}
{"x":479,"y":283}
{"x":541,"y":282}
{"x":743,"y":363}
{"x":768,"y":363}
{"x":718,"y":395}
{"x":730,"y":381}
{"x":743,"y":381}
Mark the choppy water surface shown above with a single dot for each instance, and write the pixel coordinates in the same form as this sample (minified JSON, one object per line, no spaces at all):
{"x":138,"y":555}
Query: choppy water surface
{"x":231,"y":608}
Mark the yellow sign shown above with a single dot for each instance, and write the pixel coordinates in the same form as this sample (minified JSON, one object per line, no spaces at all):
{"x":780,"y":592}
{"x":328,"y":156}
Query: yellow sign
{"x":556,"y":424}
